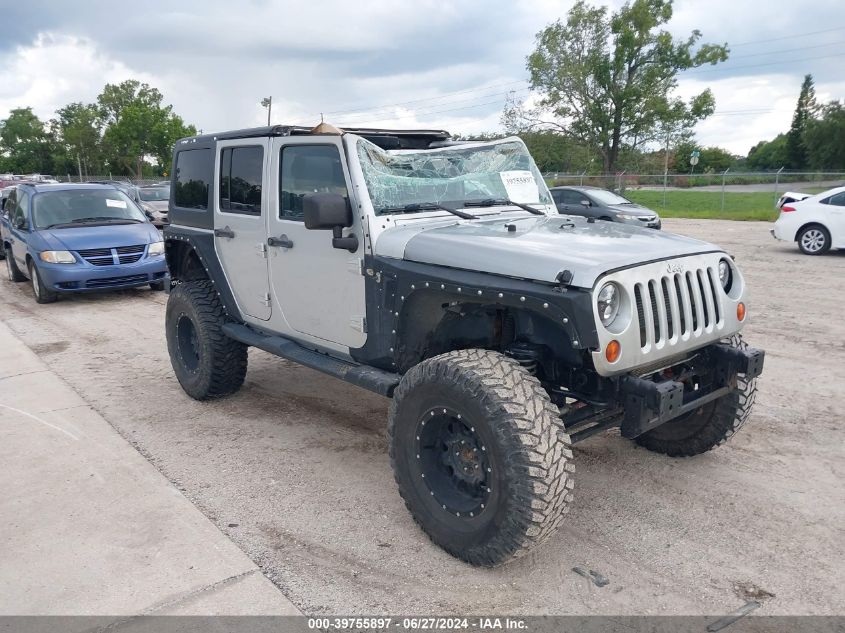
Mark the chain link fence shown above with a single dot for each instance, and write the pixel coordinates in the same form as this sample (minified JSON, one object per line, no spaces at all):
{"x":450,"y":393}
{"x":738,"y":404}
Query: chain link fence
{"x":727,"y":182}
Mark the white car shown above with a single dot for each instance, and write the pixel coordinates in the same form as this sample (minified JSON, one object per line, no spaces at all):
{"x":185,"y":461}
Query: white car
{"x":817,"y":223}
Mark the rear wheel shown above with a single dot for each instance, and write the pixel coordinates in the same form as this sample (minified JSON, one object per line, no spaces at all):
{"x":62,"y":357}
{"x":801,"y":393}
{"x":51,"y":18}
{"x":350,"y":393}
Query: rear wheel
{"x":207,"y":363}
{"x":480,"y":455}
{"x":12,"y":269}
{"x":814,"y":240}
{"x":708,"y":426}
{"x":41,"y":292}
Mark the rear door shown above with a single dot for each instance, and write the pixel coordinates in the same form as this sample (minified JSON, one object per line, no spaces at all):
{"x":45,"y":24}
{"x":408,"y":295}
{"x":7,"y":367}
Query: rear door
{"x":835,"y":207}
{"x":240,"y":213}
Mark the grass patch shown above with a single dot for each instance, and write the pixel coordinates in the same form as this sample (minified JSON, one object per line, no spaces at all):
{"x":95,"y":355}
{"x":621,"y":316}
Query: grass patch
{"x":707,"y":205}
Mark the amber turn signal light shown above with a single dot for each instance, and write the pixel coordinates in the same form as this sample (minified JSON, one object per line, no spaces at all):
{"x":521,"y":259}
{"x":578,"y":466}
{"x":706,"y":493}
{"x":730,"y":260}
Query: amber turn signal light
{"x":612,"y":351}
{"x":740,"y":311}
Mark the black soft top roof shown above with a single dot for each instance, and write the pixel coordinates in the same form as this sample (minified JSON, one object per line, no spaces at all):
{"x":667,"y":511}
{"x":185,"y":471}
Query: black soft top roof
{"x":388,"y":139}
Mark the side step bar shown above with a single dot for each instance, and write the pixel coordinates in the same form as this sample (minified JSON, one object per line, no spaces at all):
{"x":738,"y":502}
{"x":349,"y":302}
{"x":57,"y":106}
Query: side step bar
{"x":381,"y":382}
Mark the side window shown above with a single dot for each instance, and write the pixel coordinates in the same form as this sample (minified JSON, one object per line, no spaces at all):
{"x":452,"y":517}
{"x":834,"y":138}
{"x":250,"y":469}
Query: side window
{"x":308,"y":169}
{"x":837,"y":200}
{"x":241,"y":175}
{"x":194,"y":169}
{"x":573,"y":197}
{"x":20,"y":207}
{"x":9,"y":207}
{"x":557,"y":196}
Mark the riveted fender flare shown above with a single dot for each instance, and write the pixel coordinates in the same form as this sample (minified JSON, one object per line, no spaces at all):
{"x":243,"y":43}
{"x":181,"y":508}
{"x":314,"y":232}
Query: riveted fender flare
{"x":394,"y":289}
{"x":180,"y":242}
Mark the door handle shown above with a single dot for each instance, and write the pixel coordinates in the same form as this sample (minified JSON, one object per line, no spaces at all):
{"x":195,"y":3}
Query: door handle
{"x":225,"y":232}
{"x":282,"y":241}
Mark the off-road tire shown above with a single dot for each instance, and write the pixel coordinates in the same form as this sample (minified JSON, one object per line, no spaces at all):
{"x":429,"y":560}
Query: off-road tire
{"x":14,"y":273}
{"x":818,"y":230}
{"x":528,"y":450}
{"x":41,"y":294}
{"x":207,"y":363}
{"x":708,"y":427}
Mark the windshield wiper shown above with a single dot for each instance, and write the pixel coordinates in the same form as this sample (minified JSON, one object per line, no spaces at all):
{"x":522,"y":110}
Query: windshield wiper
{"x":502,"y":202}
{"x":101,"y":218}
{"x":430,"y":206}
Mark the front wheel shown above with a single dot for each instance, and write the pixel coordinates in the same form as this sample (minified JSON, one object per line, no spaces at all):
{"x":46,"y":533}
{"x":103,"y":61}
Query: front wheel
{"x":708,"y":426}
{"x":479,"y":455}
{"x":207,"y":363}
{"x":41,"y":292}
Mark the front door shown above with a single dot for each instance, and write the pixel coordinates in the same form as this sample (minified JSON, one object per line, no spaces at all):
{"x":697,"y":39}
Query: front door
{"x":19,"y":227}
{"x":319,"y":289}
{"x":240,"y":211}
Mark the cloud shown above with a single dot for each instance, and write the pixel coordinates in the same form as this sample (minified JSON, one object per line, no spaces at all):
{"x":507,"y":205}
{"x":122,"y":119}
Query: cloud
{"x":429,"y":63}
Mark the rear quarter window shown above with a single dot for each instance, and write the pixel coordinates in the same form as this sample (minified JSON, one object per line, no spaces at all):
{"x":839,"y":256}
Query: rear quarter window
{"x":192,"y":178}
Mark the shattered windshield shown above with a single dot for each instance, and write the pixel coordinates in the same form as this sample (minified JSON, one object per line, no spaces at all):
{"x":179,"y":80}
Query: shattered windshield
{"x":452,"y":176}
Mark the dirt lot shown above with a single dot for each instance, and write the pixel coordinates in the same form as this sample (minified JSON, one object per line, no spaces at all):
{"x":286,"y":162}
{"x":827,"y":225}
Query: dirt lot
{"x":294,"y":468}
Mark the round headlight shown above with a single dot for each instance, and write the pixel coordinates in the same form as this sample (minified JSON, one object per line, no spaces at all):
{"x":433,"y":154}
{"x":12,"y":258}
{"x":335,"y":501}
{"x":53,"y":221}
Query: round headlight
{"x":607,"y":302}
{"x":725,"y":274}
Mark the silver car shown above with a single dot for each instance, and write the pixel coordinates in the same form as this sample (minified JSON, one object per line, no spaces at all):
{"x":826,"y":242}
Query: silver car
{"x":601,"y":204}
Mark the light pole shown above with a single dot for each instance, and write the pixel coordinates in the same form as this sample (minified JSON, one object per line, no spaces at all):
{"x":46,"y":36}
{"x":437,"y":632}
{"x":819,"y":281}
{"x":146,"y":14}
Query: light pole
{"x":267,"y":102}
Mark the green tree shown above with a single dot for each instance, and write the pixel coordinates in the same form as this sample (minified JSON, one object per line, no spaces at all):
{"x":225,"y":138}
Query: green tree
{"x":824,"y":138}
{"x":608,"y":79}
{"x":796,"y":150}
{"x":78,"y":132}
{"x":138,"y":126}
{"x":768,"y":154}
{"x":26,"y":143}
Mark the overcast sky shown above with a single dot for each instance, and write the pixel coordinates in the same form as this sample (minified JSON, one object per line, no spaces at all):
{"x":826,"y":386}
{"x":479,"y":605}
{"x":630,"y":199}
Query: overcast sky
{"x":390,"y":63}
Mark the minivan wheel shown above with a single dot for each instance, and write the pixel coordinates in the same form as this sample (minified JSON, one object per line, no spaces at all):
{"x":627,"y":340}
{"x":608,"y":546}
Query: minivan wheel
{"x":207,"y":363}
{"x":157,"y":285}
{"x":814,"y":240}
{"x":12,"y":269}
{"x":42,"y":294}
{"x":479,"y":454}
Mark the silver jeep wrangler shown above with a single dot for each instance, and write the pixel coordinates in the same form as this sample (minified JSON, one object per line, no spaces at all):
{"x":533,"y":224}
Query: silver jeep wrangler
{"x":439,"y":275}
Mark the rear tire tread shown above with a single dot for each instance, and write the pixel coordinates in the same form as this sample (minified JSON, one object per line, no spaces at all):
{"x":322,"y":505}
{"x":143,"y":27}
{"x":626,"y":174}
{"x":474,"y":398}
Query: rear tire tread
{"x":223,"y":361}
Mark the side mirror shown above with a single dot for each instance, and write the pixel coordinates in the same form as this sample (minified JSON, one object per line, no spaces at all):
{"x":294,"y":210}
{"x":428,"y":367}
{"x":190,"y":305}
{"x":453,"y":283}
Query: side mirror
{"x":20,"y":223}
{"x":586,"y":203}
{"x":323,"y":211}
{"x":326,"y":211}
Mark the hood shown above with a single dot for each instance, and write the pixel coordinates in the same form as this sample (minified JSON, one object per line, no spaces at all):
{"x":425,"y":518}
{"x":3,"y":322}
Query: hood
{"x":103,"y":236}
{"x":540,"y":248}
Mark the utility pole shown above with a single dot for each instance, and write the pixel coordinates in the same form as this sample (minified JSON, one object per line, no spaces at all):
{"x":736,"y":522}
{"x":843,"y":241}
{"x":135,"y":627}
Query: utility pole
{"x":267,"y":102}
{"x":79,"y":167}
{"x":666,"y":167}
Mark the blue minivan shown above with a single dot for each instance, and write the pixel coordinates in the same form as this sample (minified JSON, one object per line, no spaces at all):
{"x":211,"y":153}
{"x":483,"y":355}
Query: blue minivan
{"x":75,"y":238}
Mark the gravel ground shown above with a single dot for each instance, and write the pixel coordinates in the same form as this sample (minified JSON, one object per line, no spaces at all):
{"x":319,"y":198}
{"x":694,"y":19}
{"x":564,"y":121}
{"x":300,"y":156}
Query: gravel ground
{"x":294,"y":467}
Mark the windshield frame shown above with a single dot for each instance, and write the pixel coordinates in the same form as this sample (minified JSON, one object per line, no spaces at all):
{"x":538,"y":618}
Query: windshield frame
{"x":134,"y":213}
{"x":544,"y":203}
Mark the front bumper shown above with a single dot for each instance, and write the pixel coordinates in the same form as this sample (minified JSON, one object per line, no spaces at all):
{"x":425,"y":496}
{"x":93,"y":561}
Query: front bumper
{"x":82,"y":277}
{"x":648,"y":404}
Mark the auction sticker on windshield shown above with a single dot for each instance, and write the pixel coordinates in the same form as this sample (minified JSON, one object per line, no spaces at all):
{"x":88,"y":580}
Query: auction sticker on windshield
{"x":521,"y":186}
{"x":120,"y":204}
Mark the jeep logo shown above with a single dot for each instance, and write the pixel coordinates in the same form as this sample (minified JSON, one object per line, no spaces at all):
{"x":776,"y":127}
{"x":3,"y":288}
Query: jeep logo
{"x":674,"y":268}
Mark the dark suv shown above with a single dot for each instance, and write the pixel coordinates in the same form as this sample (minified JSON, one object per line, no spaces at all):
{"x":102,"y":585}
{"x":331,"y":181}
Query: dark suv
{"x":601,"y":204}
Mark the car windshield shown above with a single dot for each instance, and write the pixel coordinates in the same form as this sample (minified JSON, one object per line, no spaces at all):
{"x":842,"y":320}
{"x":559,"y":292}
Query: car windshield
{"x":452,"y":176}
{"x":153,"y":194}
{"x":82,"y":206}
{"x":607,"y":197}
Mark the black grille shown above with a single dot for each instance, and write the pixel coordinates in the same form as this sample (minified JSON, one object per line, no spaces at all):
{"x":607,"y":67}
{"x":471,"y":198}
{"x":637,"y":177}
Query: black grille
{"x":115,"y":281}
{"x":130,"y":254}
